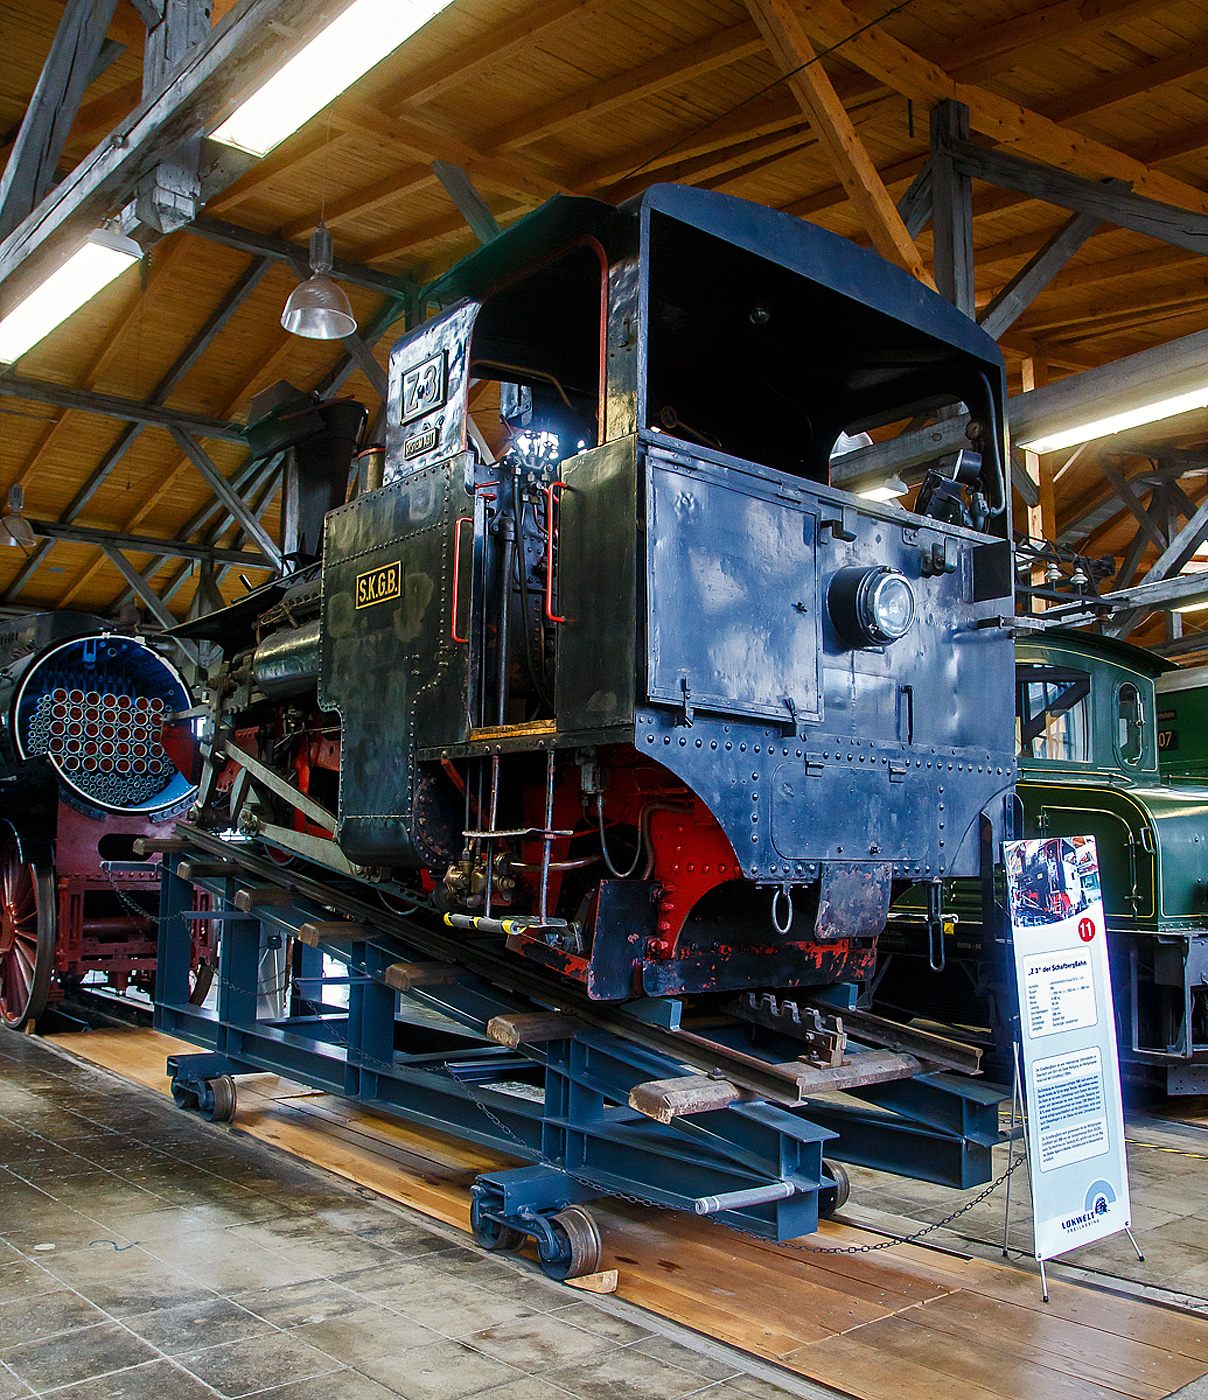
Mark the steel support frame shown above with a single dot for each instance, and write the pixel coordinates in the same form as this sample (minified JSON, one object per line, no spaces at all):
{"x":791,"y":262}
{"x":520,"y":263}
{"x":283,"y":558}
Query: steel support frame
{"x":582,"y":1140}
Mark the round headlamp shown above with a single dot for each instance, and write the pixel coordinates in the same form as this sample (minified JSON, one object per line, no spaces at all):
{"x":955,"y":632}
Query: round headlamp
{"x":871,"y":606}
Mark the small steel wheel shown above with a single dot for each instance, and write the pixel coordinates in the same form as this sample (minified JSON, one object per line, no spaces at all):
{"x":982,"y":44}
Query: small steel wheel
{"x":27,"y":935}
{"x":492,"y":1234}
{"x":201,"y":979}
{"x":833,"y":1198}
{"x":184,"y":1098}
{"x":578,"y":1241}
{"x":223,"y":1100}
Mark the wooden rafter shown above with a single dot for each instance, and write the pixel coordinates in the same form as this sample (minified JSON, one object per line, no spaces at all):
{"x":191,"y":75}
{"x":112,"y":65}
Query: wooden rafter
{"x":818,"y":100}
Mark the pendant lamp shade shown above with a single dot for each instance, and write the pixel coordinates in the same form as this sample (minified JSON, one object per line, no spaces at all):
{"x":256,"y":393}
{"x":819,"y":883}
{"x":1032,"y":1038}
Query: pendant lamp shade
{"x":318,"y":308}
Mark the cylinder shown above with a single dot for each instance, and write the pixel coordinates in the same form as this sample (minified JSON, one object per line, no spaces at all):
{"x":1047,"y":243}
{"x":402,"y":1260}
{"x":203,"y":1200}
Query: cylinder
{"x":288,"y":662}
{"x":738,"y":1200}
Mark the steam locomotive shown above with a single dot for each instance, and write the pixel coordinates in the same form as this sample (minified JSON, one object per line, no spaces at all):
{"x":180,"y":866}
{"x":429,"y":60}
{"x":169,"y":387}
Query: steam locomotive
{"x":641,"y":691}
{"x":82,"y":774}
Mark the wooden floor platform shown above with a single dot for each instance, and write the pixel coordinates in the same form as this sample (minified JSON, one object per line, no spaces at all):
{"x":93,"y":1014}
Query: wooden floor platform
{"x":905,"y":1323}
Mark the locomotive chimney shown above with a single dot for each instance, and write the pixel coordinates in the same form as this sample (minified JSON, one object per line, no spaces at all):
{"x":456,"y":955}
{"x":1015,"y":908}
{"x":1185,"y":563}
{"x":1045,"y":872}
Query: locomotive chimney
{"x":319,"y":439}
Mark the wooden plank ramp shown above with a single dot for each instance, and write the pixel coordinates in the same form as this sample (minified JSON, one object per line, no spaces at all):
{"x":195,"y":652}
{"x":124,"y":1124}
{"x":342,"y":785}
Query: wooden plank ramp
{"x":905,"y":1323}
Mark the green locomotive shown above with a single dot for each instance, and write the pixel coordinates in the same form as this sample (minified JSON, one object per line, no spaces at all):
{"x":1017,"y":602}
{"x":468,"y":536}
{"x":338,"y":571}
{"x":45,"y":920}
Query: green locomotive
{"x":1183,"y":723}
{"x":1088,"y":743}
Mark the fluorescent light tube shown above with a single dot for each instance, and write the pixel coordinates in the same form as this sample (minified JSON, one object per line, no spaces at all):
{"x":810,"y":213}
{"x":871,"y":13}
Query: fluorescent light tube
{"x":88,"y":271}
{"x":1118,"y":422}
{"x":364,"y":34}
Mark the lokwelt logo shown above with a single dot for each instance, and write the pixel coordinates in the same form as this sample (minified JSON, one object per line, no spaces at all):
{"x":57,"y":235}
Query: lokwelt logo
{"x":1099,"y":1196}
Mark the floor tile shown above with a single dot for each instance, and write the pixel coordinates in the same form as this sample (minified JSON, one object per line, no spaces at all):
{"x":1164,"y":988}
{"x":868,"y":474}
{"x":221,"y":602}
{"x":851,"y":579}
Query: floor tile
{"x":195,"y":1326}
{"x":315,"y":1300}
{"x":339,"y":1385}
{"x":602,"y":1323}
{"x":444,"y":1371}
{"x":154,"y":1380}
{"x":539,"y":1343}
{"x":24,"y":1278}
{"x":77,"y":1356}
{"x":755,"y":1387}
{"x":525,"y":1388}
{"x":11,"y":1388}
{"x":127,"y":1281}
{"x":624,"y":1373}
{"x":453,"y":1308}
{"x":670,"y":1353}
{"x":364,"y":1335}
{"x":238,"y":1368}
{"x":44,"y":1315}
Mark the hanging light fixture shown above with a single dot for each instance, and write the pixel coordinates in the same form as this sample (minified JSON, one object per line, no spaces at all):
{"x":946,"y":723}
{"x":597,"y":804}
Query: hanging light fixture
{"x":318,"y":308}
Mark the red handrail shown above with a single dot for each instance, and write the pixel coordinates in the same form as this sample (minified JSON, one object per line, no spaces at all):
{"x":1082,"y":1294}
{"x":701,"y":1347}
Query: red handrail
{"x":461,"y":520}
{"x":549,"y":549}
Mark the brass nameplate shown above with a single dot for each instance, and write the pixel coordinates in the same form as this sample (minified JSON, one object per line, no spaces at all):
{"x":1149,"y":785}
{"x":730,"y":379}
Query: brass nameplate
{"x":380,"y":585}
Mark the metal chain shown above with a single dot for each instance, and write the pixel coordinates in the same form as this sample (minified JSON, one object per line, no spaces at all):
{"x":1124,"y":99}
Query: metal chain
{"x":632,"y":1198}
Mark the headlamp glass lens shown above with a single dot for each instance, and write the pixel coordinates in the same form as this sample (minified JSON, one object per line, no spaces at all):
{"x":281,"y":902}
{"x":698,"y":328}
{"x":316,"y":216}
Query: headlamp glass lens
{"x":892,"y":606}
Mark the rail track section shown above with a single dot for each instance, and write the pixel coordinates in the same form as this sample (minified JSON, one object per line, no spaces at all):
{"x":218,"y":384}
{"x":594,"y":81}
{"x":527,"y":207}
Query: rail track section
{"x":739,"y":1108}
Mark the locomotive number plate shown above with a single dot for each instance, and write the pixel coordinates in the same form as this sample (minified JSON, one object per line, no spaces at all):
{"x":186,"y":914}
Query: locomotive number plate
{"x":425,"y":387}
{"x":380,"y":585}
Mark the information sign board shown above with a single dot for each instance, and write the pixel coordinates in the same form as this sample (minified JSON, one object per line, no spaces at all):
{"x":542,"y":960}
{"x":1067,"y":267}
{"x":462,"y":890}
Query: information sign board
{"x":1075,"y":1119}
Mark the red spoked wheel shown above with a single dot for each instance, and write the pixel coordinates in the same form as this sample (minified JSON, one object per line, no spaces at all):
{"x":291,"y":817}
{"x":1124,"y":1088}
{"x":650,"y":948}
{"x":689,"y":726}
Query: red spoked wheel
{"x":27,"y":935}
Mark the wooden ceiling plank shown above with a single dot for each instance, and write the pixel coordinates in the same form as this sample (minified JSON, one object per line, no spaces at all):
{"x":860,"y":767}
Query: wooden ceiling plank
{"x":409,"y":179}
{"x":489,"y":53}
{"x":1147,"y":78}
{"x":725,"y":164}
{"x":916,"y":77}
{"x":237,"y":294}
{"x":670,"y":70}
{"x":812,"y":88}
{"x":274,"y":166}
{"x":427,"y":140}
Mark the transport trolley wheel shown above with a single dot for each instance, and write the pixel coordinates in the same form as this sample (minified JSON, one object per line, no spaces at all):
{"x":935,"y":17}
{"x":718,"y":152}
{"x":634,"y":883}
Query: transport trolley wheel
{"x":200,"y":983}
{"x":491,"y":1234}
{"x":833,"y":1198}
{"x":578,"y":1241}
{"x":223,"y":1100}
{"x":27,"y":935}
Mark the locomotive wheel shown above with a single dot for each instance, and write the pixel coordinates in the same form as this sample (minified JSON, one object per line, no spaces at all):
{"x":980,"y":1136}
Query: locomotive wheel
{"x":224,"y":1100}
{"x":492,"y":1234}
{"x":578,"y":1240}
{"x":27,"y":936}
{"x":833,"y":1198}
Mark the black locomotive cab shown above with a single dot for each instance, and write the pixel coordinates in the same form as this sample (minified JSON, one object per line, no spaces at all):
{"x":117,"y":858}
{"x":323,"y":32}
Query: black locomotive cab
{"x":622,"y":666}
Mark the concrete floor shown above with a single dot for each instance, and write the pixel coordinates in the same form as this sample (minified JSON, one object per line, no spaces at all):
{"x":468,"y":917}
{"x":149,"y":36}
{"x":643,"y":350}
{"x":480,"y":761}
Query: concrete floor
{"x":145,"y":1255}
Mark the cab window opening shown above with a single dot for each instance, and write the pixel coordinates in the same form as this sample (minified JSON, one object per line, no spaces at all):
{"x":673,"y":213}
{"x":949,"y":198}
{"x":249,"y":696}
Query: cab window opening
{"x":1052,"y":715}
{"x":1130,"y":723}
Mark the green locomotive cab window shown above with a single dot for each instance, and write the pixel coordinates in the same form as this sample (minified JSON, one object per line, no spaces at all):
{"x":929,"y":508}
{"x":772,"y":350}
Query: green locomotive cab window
{"x":1130,"y":723}
{"x":1053,"y":714}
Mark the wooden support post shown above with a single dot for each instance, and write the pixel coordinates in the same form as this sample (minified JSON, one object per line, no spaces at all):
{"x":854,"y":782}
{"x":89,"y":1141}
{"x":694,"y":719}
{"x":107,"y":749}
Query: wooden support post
{"x":338,"y":931}
{"x":951,"y":208}
{"x":532,"y":1027}
{"x":403,"y":977}
{"x":817,"y":98}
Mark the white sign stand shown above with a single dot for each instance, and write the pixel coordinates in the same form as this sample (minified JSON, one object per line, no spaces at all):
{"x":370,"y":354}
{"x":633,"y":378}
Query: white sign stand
{"x":1066,"y":1068}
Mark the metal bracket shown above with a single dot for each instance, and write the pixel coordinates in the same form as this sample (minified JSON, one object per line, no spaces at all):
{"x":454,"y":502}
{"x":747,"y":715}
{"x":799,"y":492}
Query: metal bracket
{"x":837,"y":525}
{"x":685,"y":717}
